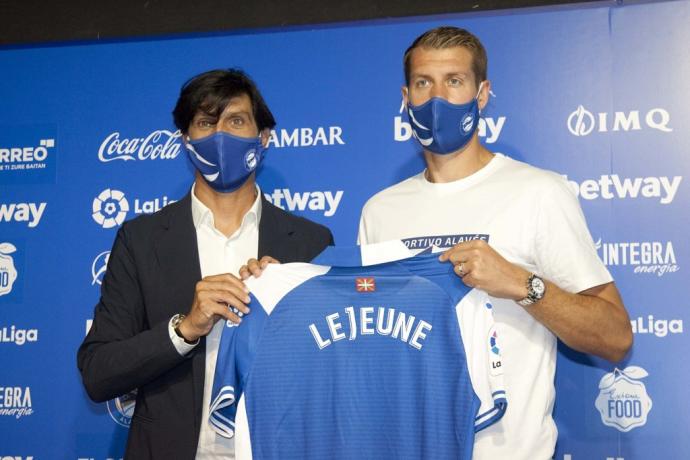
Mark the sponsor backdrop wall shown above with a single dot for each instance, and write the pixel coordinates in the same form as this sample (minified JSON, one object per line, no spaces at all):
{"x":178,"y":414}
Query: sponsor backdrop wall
{"x":597,"y":93}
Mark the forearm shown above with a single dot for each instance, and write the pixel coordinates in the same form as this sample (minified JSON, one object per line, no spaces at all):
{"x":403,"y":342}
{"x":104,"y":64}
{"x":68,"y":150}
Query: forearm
{"x":110,"y":368}
{"x":593,"y":322}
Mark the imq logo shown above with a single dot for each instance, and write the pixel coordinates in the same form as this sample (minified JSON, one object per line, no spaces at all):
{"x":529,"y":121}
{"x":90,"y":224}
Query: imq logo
{"x":582,"y":122}
{"x":157,"y":145}
{"x":623,"y":401}
{"x":110,"y":207}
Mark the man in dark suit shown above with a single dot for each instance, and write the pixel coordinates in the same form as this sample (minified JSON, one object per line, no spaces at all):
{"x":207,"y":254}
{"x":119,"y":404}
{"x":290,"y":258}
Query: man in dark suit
{"x":156,"y":327}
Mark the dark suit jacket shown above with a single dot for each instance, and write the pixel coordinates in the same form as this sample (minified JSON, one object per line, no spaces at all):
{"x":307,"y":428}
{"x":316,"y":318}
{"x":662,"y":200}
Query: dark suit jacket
{"x":152,"y":273}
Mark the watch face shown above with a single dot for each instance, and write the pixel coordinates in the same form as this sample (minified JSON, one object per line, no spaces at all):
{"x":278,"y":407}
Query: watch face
{"x":538,"y":286}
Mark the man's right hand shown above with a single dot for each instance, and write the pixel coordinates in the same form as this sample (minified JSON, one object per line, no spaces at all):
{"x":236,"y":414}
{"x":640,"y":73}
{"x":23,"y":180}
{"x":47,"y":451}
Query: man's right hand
{"x":213,"y":299}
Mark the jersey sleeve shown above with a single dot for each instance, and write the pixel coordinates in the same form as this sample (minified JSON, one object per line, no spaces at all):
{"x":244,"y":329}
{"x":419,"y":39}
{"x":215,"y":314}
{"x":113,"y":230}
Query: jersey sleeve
{"x":475,"y":317}
{"x":564,"y":250}
{"x":235,"y":355}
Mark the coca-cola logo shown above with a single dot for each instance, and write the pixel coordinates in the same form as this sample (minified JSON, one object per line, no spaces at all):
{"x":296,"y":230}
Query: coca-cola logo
{"x":159,"y":145}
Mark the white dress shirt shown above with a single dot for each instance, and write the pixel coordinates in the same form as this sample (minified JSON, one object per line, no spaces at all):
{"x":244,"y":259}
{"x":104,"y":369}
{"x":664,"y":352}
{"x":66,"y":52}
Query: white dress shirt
{"x":218,"y":254}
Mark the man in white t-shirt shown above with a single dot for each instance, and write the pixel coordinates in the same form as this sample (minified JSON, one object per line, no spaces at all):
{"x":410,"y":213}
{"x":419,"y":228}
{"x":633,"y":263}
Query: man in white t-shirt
{"x":511,"y":229}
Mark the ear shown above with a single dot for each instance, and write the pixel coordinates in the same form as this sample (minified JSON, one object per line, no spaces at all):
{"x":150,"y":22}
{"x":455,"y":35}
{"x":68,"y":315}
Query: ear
{"x":265,"y":136}
{"x":484,"y":94}
{"x":405,"y":94}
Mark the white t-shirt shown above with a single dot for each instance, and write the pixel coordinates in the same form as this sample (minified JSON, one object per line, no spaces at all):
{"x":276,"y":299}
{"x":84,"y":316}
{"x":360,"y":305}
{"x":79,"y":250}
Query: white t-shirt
{"x":532,"y":219}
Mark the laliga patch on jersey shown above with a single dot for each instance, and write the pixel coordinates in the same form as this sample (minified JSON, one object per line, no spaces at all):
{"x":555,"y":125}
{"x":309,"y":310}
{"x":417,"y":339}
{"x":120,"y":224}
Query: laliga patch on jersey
{"x":494,"y":352}
{"x":365,"y":285}
{"x":623,"y":401}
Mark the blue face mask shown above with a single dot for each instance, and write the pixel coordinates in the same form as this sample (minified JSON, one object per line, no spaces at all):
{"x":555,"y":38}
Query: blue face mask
{"x":224,"y":160}
{"x":443,"y":127}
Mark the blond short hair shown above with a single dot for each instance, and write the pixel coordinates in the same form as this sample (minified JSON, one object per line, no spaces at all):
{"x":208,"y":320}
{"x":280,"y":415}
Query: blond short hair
{"x":450,"y":37}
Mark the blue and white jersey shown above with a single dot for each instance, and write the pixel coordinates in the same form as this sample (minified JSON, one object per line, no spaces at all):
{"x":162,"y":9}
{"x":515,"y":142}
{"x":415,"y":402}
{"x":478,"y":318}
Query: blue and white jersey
{"x":365,"y":353}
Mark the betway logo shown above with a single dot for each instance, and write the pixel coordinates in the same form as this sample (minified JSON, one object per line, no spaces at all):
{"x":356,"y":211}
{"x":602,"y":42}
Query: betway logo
{"x":612,"y":186}
{"x":658,"y":327}
{"x":306,"y":137}
{"x":325,"y":201}
{"x":30,"y":213}
{"x":581,"y":122}
{"x":16,"y":457}
{"x":160,"y":144}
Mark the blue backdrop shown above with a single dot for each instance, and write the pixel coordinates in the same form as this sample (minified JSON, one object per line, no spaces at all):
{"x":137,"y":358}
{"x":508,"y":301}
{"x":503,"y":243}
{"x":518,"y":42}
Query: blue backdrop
{"x":598,"y":93}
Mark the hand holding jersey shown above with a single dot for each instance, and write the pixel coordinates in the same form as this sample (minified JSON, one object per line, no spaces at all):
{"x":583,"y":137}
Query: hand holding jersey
{"x":213,"y":297}
{"x":255,"y":267}
{"x":480,"y":266}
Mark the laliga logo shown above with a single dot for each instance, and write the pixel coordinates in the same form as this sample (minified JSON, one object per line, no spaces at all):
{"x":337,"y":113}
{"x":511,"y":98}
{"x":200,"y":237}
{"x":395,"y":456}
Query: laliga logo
{"x":623,"y":401}
{"x":160,"y":144}
{"x":8,"y":273}
{"x":495,"y":355}
{"x":110,"y":208}
{"x":98,"y":267}
{"x":121,"y":409}
{"x":582,"y":122}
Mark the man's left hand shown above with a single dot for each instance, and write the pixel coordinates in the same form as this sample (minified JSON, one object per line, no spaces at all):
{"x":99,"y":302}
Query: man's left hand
{"x":255,"y":267}
{"x":481,"y":267}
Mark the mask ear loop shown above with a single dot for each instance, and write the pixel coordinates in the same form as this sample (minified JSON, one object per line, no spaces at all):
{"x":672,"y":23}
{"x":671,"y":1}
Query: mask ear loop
{"x":477,"y":97}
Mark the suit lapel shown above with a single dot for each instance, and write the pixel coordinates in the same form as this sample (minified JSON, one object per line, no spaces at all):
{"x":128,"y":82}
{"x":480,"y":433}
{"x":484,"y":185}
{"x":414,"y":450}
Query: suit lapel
{"x":178,"y":258}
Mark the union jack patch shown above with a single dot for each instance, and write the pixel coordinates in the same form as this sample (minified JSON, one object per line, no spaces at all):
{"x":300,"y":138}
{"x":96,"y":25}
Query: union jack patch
{"x":365,"y":284}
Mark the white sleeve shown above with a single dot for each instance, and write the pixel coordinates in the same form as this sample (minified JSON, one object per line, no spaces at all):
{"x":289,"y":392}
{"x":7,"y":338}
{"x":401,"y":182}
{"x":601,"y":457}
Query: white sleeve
{"x":478,"y":331}
{"x":564,"y":250}
{"x":180,"y":345}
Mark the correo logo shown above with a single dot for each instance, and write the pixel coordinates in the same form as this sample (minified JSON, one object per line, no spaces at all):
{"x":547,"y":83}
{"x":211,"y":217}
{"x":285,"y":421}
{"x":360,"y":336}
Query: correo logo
{"x":110,"y":208}
{"x":581,"y":122}
{"x":623,"y":401}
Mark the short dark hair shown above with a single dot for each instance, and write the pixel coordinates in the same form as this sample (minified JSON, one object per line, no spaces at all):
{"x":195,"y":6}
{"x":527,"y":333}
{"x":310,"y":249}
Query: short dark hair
{"x":211,"y":92}
{"x":450,"y":37}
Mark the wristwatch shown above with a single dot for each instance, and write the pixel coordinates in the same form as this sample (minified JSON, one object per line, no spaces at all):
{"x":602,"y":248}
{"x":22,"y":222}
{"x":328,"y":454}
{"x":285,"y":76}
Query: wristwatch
{"x":175,"y":323}
{"x":535,"y":291}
